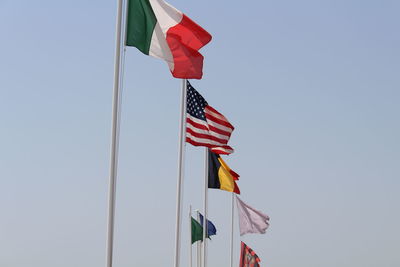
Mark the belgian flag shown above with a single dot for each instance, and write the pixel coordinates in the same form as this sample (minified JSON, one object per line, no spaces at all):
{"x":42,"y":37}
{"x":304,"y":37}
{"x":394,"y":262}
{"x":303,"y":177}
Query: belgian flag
{"x":220,"y":176}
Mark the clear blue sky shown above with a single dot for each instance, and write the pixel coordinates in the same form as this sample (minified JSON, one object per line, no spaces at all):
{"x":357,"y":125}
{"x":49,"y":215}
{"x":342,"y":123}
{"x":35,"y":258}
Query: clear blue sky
{"x":312,"y":87}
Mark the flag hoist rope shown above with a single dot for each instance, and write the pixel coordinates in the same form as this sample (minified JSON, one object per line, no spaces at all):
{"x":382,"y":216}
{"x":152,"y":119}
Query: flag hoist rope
{"x":115,"y":126}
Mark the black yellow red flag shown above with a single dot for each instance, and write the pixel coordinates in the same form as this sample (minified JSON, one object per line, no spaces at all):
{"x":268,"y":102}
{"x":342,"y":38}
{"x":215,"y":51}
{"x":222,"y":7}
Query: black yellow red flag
{"x":220,"y":176}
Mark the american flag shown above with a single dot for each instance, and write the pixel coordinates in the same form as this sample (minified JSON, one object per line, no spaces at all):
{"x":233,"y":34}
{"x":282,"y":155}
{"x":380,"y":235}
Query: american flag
{"x":204,"y":125}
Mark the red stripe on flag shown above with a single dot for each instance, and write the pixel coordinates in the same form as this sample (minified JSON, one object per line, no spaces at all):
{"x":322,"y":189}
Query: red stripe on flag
{"x":236,"y":188}
{"x":234,"y":174}
{"x":218,"y":121}
{"x":189,"y":140}
{"x":207,"y":127}
{"x":222,"y":150}
{"x":207,"y":136}
{"x":216,"y":149}
{"x":214,"y":129}
{"x":223,"y":121}
{"x":197,"y":125}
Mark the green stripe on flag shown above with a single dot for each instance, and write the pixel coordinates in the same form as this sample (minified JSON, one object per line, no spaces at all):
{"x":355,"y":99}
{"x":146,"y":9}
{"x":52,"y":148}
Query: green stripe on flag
{"x":140,"y":25}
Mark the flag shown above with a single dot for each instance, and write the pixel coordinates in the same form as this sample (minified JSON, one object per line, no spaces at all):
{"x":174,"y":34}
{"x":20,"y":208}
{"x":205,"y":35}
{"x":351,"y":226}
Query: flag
{"x":247,"y":257}
{"x":220,"y":176}
{"x":250,"y":219}
{"x":160,"y":30}
{"x":204,"y":125}
{"x":197,"y":231}
{"x":211,"y":230}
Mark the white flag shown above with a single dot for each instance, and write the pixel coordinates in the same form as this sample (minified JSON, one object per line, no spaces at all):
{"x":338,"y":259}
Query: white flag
{"x":250,"y":219}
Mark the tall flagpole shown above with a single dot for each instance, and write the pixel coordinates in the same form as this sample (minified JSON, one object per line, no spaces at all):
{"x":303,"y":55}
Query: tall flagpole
{"x":179,"y":181}
{"x":198,"y":244}
{"x":232,"y":213}
{"x":205,"y":224}
{"x":190,"y":236}
{"x":114,"y":136}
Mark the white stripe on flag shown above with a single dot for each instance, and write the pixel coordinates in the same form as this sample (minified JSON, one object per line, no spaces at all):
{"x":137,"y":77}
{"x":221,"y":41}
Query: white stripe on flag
{"x":203,"y":140}
{"x":208,"y":132}
{"x":222,"y":150}
{"x":219,"y":126}
{"x":216,"y":115}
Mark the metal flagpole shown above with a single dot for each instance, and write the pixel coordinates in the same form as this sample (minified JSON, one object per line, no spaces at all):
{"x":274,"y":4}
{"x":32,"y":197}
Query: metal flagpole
{"x":198,"y":244}
{"x":179,"y":182}
{"x":205,"y":231}
{"x":114,"y":136}
{"x":190,"y":236}
{"x":232,"y":213}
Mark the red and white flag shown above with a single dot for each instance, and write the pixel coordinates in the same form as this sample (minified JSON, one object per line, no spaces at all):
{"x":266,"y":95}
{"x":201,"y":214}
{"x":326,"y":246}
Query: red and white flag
{"x":205,"y":126}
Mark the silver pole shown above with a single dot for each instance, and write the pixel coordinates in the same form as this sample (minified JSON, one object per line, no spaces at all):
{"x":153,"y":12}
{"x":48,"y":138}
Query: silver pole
{"x":205,"y":207}
{"x":179,"y":181}
{"x":232,"y":213}
{"x":190,"y":236}
{"x":198,"y":244}
{"x":114,"y":137}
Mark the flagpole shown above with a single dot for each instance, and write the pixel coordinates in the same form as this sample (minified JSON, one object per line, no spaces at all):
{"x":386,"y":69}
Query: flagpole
{"x":190,"y":236}
{"x":205,"y":230}
{"x":114,"y":136}
{"x":198,"y":244}
{"x":232,"y":213}
{"x":179,"y":182}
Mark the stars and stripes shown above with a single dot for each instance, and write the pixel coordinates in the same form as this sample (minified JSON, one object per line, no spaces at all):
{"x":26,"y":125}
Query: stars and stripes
{"x":205,"y":126}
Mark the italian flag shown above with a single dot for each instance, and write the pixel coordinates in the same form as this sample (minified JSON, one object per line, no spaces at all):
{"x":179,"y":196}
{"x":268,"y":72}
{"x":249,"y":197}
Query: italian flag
{"x":158,"y":29}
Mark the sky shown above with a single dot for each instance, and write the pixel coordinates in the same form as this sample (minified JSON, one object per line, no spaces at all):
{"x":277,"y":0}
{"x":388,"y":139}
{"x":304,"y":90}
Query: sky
{"x":312,"y":88}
